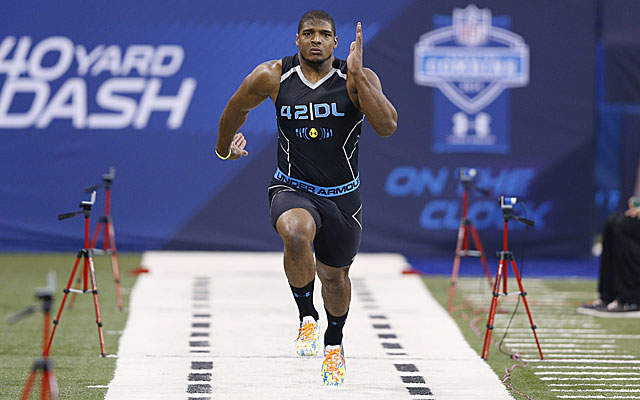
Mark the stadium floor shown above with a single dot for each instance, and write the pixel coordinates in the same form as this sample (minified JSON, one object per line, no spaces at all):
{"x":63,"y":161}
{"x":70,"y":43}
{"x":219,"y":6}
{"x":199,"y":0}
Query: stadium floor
{"x":222,"y":326}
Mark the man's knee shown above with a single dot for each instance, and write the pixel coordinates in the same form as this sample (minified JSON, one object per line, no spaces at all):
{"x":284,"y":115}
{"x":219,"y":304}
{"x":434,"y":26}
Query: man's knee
{"x":333,"y":279}
{"x":296,"y":227}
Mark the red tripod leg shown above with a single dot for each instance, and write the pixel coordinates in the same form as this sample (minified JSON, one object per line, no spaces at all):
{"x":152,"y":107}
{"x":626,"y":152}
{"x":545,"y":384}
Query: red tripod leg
{"x":64,"y":299}
{"x":114,"y":262}
{"x":28,"y":385}
{"x":526,"y":305}
{"x":96,"y":233}
{"x":483,"y":259}
{"x":492,"y":310}
{"x":44,"y":385}
{"x":456,"y":266}
{"x":94,"y":289}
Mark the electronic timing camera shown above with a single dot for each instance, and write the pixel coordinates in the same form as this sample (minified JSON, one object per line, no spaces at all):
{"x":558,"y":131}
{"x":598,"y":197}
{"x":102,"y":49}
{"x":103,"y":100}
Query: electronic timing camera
{"x":467,"y":174}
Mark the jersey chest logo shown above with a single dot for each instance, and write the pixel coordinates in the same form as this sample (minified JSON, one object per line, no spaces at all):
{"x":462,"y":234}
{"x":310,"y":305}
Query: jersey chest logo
{"x":314,"y":133}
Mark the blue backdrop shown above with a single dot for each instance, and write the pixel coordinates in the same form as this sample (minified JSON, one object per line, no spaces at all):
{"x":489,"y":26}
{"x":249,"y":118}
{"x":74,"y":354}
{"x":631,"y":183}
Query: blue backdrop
{"x":505,"y":87}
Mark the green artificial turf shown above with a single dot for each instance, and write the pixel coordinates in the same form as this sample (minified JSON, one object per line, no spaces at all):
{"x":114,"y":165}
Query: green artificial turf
{"x":565,"y":295}
{"x":75,"y":349}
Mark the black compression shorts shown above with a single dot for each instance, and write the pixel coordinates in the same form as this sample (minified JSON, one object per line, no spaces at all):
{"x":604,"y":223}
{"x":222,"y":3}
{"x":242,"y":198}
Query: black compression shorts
{"x":338,"y":221}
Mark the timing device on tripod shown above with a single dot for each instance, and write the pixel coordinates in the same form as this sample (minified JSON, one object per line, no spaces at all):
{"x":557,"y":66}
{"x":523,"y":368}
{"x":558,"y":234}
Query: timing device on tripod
{"x":48,"y":384}
{"x":467,"y":175}
{"x":89,"y":274}
{"x":505,"y":259}
{"x":106,"y":229}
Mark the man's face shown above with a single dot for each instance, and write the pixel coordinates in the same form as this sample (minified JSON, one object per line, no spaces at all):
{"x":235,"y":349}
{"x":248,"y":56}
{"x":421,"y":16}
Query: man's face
{"x":316,"y":41}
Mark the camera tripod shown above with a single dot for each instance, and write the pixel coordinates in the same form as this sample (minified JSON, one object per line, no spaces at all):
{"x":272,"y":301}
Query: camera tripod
{"x":462,"y":245}
{"x":88,"y":273}
{"x":506,"y":258}
{"x":49,"y":383}
{"x":109,"y":238}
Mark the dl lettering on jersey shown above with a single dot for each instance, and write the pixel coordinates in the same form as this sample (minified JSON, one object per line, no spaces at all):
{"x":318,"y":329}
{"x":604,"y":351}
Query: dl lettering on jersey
{"x":472,"y":59}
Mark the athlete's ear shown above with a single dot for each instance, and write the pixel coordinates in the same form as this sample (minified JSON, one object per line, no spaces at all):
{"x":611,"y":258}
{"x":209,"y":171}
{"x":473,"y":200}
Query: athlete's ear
{"x":335,"y":42}
{"x":297,"y":39}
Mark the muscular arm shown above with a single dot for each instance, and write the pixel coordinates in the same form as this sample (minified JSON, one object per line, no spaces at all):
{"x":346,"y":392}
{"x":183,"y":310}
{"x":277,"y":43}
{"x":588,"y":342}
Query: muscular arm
{"x":260,"y":84}
{"x":379,"y":111}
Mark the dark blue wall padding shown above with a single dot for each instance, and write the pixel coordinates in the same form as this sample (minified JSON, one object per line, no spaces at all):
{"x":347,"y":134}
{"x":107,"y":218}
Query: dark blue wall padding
{"x":171,"y":192}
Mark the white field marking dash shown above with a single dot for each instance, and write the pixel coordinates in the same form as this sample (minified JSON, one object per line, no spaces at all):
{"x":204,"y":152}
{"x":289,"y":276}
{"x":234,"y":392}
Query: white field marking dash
{"x":587,"y":373}
{"x":578,"y":350}
{"x":548,"y":354}
{"x":554,"y":331}
{"x":551,"y":378}
{"x":594,"y":384}
{"x":580,"y":367}
{"x":597,"y":390}
{"x":564,"y":340}
{"x":563,"y":345}
{"x":571,"y":335}
{"x":97,"y":386}
{"x":596,"y":397}
{"x":583,"y":361}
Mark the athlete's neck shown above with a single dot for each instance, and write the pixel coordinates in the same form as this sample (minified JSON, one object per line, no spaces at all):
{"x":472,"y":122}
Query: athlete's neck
{"x":314,"y":71}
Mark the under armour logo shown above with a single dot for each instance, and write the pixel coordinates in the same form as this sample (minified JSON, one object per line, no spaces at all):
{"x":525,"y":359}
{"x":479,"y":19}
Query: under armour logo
{"x":462,"y":124}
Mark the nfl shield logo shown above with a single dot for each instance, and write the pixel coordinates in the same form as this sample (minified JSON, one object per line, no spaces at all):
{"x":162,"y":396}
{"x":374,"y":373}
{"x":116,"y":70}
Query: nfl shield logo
{"x":471,"y":26}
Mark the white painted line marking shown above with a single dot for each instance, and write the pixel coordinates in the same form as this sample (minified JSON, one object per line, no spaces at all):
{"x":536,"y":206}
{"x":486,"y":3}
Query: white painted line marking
{"x":97,"y":386}
{"x":596,"y":397}
{"x":549,"y":355}
{"x":557,"y":351}
{"x":594,"y":384}
{"x":564,"y":340}
{"x":587,"y":373}
{"x":584,"y":361}
{"x":563,"y":345}
{"x":579,"y":367}
{"x":552,"y":378}
{"x":570,"y":335}
{"x":553,"y":331}
{"x":597,"y":390}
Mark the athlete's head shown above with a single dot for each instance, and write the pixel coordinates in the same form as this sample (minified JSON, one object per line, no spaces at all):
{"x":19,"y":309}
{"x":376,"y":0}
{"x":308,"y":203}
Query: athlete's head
{"x":316,"y":37}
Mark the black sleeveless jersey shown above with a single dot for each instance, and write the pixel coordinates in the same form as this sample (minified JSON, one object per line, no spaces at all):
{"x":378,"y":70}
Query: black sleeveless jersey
{"x":318,"y":126}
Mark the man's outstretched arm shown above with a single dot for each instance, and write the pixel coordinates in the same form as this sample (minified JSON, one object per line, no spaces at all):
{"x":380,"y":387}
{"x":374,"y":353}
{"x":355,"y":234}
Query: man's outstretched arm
{"x":379,"y":111}
{"x":260,"y":84}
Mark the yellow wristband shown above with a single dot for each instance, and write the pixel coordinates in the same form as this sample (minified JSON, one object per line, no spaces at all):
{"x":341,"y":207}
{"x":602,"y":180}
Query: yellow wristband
{"x":223,"y":158}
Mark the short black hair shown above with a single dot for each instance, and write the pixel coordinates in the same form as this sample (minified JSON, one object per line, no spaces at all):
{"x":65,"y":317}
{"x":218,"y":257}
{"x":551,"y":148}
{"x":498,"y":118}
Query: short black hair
{"x":317,"y":15}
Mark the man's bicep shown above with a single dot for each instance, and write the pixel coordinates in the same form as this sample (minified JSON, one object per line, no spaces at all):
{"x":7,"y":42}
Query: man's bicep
{"x":245,"y":98}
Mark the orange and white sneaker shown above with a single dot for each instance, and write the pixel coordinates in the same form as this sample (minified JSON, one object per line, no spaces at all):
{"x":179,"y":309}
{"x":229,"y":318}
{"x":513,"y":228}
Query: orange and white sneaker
{"x":308,"y":342}
{"x":333,"y":367}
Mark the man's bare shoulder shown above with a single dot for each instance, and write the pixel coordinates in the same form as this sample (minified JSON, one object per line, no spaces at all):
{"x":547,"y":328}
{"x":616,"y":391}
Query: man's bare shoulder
{"x":268,"y":71}
{"x":265,"y":78}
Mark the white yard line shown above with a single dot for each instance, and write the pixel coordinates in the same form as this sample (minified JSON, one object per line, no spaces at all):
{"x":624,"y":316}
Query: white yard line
{"x":251,"y":321}
{"x":596,"y":397}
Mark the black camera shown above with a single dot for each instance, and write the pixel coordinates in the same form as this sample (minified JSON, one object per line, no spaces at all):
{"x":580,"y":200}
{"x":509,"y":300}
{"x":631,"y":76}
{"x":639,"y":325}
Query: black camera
{"x":507,"y":203}
{"x":467,"y":174}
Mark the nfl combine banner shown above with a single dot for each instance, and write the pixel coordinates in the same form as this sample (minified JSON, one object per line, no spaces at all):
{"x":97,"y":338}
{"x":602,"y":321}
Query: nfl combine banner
{"x":504,"y":87}
{"x":493,"y":86}
{"x":472,"y":58}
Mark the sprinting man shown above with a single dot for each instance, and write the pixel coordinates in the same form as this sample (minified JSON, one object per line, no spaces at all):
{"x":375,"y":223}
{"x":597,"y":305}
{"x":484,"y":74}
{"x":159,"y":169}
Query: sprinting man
{"x":321,"y":103}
